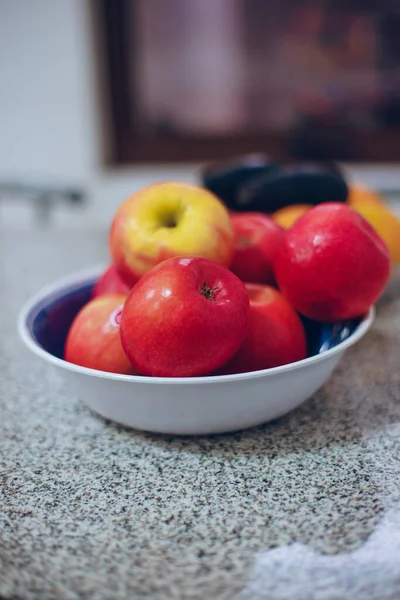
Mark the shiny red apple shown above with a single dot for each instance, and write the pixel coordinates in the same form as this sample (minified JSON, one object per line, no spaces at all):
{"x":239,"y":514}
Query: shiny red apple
{"x":110,"y":282}
{"x":257,"y":238}
{"x":276,"y":334}
{"x":186,"y":317}
{"x":94,"y":340}
{"x":332,"y":265}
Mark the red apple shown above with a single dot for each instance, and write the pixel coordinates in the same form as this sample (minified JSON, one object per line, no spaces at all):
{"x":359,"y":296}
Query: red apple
{"x":186,"y":317}
{"x":110,"y":282}
{"x":275,"y":337}
{"x":94,"y":339}
{"x":257,"y":238}
{"x":165,"y":220}
{"x":332,"y":265}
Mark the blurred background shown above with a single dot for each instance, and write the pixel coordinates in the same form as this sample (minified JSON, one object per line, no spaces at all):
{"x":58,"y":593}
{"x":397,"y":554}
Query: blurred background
{"x":101,"y":97}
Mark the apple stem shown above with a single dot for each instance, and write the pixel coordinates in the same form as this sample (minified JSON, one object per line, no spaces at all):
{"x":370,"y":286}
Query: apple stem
{"x":208,"y":292}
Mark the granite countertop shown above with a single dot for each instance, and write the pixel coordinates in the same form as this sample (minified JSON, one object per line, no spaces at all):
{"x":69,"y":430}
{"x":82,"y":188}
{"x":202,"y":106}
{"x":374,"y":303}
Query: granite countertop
{"x":306,"y":507}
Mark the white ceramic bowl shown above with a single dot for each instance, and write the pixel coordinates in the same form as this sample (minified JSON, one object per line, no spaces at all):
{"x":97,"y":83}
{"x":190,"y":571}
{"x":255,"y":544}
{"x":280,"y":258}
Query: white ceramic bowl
{"x":196,"y":405}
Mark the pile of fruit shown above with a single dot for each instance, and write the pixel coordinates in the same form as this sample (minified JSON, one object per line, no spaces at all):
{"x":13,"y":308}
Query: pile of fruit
{"x":286,"y":191}
{"x":197,"y":288}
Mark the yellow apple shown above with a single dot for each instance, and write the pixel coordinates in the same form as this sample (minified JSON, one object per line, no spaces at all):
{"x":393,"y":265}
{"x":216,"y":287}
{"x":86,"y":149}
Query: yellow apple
{"x":165,"y":220}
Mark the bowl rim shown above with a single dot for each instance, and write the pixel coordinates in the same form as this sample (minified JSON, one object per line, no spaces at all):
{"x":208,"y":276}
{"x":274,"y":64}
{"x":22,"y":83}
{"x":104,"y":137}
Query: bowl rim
{"x":88,"y":275}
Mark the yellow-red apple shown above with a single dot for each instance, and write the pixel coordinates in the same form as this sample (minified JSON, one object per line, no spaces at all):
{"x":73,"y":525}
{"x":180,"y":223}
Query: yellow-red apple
{"x":166,"y":220}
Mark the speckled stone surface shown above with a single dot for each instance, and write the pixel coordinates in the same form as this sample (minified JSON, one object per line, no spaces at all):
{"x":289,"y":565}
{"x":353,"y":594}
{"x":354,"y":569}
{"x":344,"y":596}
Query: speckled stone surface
{"x":89,"y":509}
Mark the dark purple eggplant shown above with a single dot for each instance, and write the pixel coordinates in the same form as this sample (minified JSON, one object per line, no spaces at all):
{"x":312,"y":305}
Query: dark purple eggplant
{"x":225,"y":179}
{"x":300,"y":184}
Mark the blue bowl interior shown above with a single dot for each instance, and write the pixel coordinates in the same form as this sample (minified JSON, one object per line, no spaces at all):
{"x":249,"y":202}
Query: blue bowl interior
{"x":324,"y":336}
{"x":50,"y":320}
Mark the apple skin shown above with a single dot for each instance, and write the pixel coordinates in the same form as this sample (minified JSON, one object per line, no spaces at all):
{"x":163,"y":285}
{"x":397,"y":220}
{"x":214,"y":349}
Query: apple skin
{"x":165,"y":220}
{"x":332,"y":265}
{"x":276,"y":334}
{"x":110,"y":282}
{"x":257,"y":238}
{"x":186,"y":317}
{"x":94,"y":339}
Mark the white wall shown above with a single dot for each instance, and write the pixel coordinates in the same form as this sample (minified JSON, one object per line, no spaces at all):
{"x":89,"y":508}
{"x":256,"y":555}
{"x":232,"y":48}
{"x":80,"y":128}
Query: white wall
{"x":48,"y":125}
{"x":49,"y":120}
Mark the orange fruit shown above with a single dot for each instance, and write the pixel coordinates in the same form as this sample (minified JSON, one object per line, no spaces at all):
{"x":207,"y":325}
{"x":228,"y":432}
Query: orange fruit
{"x":360,"y":195}
{"x":386,"y":224}
{"x":285,"y":217}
